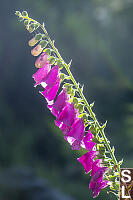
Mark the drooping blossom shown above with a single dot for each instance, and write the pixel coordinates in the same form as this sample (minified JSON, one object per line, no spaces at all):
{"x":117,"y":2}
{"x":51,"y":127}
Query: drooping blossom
{"x":68,"y":114}
{"x":96,"y":166}
{"x":87,"y":160}
{"x":52,"y":81}
{"x":50,"y":92}
{"x":42,"y":60}
{"x":87,"y":141}
{"x":53,"y":76}
{"x":37,"y":50}
{"x":41,"y":74}
{"x":97,"y":183}
{"x":66,"y":118}
{"x":75,"y":144}
{"x":76,"y":134}
{"x":60,"y":103}
{"x":65,"y":128}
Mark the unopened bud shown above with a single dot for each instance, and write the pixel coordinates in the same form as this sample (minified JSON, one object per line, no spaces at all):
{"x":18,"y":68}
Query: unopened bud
{"x":41,"y":60}
{"x":80,"y":108}
{"x":37,"y":50}
{"x":18,"y":13}
{"x":31,"y":27}
{"x":43,"y":43}
{"x":25,"y":14}
{"x":52,"y":60}
{"x":32,"y":42}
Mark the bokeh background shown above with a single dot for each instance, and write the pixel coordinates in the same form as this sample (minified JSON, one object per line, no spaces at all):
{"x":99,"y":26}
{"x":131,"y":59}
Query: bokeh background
{"x":35,"y":161}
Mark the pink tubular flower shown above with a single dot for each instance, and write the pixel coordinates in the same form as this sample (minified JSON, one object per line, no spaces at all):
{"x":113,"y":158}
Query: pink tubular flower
{"x":52,"y":77}
{"x":76,"y":145}
{"x":41,"y":74}
{"x":52,"y":81}
{"x":42,"y":60}
{"x":66,"y":118}
{"x":96,"y":166}
{"x":67,"y":115}
{"x":76,"y":134}
{"x":65,"y":128}
{"x":97,"y":183}
{"x":60,"y":103}
{"x":50,"y":92}
{"x":87,"y":160}
{"x":87,"y":141}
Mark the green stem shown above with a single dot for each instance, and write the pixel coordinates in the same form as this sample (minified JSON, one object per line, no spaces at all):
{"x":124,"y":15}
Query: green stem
{"x":92,"y":115}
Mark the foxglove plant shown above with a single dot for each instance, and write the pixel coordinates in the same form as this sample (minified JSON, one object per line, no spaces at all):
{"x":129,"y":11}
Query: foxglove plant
{"x":74,"y":115}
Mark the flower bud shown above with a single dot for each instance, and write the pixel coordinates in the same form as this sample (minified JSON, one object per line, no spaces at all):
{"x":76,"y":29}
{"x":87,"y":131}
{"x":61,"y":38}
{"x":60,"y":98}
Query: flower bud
{"x":52,"y":60}
{"x":25,"y":14}
{"x":18,"y":13}
{"x":59,"y":63}
{"x":43,"y":43}
{"x":37,"y":50}
{"x":31,"y":27}
{"x":32,"y":42}
{"x":26,"y":22}
{"x":75,"y":100}
{"x":80,"y":108}
{"x":41,"y":60}
{"x":38,"y":36}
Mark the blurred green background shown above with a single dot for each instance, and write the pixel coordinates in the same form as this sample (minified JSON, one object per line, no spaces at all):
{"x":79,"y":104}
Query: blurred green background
{"x":35,"y":161}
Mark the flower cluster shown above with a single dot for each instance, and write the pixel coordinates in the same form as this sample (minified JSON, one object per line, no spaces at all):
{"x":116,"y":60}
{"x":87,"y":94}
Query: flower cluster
{"x":69,"y":121}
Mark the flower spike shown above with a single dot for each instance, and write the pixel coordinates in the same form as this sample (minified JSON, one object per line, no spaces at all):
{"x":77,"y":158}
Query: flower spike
{"x":72,"y":111}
